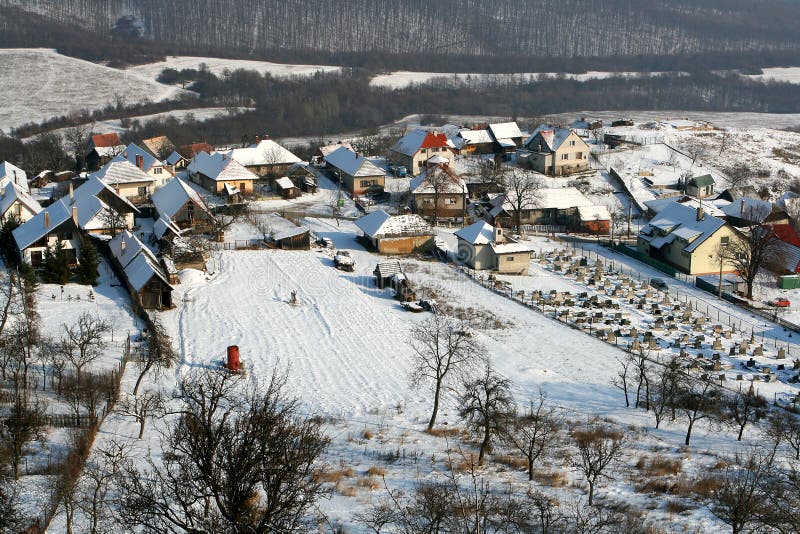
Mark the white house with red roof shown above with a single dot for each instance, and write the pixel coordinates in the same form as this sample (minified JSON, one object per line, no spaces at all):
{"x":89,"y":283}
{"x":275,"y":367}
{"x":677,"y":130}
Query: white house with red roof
{"x":415,"y":148}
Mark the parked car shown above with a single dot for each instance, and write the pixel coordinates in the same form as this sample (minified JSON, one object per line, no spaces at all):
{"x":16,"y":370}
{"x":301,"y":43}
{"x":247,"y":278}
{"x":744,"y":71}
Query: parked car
{"x":780,"y":302}
{"x":400,"y":171}
{"x":658,"y":283}
{"x":343,"y":261}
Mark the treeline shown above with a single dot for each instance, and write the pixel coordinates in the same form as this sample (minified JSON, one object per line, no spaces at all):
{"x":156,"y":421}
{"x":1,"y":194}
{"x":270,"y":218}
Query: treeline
{"x":328,"y":104}
{"x":416,"y":34}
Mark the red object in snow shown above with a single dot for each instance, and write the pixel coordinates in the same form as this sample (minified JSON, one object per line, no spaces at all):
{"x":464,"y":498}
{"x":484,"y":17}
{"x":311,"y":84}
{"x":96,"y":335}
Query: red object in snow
{"x":233,"y":358}
{"x":781,"y":302}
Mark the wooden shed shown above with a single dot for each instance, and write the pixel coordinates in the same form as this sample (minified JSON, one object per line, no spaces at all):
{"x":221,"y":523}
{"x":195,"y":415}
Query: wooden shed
{"x":385,"y":271}
{"x":294,"y":239}
{"x":286,"y":188}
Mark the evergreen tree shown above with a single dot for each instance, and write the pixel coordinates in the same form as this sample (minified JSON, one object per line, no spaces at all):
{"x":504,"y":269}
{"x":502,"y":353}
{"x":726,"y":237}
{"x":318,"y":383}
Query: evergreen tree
{"x":55,"y":265}
{"x":8,"y":247}
{"x":88,"y":263}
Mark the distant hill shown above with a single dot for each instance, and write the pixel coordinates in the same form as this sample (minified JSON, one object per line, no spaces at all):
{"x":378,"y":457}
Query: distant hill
{"x":471,"y":28}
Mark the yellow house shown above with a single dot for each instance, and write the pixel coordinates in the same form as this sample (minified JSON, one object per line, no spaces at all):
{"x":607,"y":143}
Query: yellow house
{"x":16,"y":202}
{"x":687,"y":239}
{"x":483,"y":246}
{"x":127,"y":180}
{"x":219,"y":173}
{"x":555,"y":151}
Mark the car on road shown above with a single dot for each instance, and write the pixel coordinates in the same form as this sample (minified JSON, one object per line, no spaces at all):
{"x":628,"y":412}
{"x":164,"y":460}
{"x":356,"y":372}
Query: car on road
{"x":658,"y":283}
{"x":780,"y":302}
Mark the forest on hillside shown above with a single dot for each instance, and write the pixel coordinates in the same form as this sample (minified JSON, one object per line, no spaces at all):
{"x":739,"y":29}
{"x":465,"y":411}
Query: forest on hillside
{"x":352,"y":30}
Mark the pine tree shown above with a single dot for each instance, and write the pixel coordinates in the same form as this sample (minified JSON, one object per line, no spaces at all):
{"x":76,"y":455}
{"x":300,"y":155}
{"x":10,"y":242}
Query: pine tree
{"x":88,"y":263}
{"x":55,"y":265}
{"x":8,"y":247}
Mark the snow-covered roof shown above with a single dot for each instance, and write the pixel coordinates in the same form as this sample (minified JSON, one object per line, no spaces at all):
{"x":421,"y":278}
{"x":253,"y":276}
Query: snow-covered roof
{"x":141,"y":270}
{"x":559,"y":198}
{"x":284,"y":182}
{"x":330,"y":149}
{"x":132,"y":151}
{"x":511,"y":247}
{"x":219,"y":167}
{"x":125,"y":247}
{"x":267,"y":152}
{"x":11,"y":193}
{"x":173,"y":196}
{"x":454,"y":184}
{"x":594,"y":213}
{"x":158,"y":144}
{"x":120,"y":171}
{"x":291,"y":232}
{"x":472,"y":137}
{"x":381,"y":224}
{"x":505,"y":130}
{"x":410,"y":143}
{"x":552,"y":137}
{"x":478,"y":233}
{"x":174,"y":158}
{"x":712,"y":208}
{"x":10,"y":173}
{"x":681,"y":221}
{"x":748,"y":209}
{"x":34,"y":229}
{"x":352,"y":164}
{"x":95,"y":187}
{"x":164,"y":225}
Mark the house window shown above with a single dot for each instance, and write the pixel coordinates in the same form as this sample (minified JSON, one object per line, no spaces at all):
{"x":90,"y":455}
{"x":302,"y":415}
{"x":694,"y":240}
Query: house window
{"x":565,"y":157}
{"x":579,"y":155}
{"x":66,"y":236}
{"x":572,"y":143}
{"x":142,"y":191}
{"x":36,"y":258}
{"x":368,"y":183}
{"x":450,"y":201}
{"x":509,"y":258}
{"x":242,"y":186}
{"x":724,"y":240}
{"x":157,"y":170}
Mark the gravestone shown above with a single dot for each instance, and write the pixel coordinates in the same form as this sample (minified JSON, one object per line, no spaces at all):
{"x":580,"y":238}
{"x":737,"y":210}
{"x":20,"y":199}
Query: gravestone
{"x":759,"y":351}
{"x":781,"y":353}
{"x":717,"y":344}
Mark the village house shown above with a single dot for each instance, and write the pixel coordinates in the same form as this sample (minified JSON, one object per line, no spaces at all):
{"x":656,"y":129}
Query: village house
{"x":190,"y":151}
{"x":176,"y":161}
{"x":100,"y":209}
{"x":687,"y":239}
{"x":102,"y":149}
{"x":303,"y":178}
{"x":16,"y":203}
{"x":736,"y":193}
{"x":56,"y":223}
{"x":439,"y":192}
{"x":160,"y":146}
{"x":127,"y":180}
{"x":700,"y":186}
{"x":415,"y":148}
{"x":473,"y":142}
{"x":142,"y":272}
{"x":325,"y":151}
{"x":556,"y":206}
{"x":395,"y":234}
{"x":180,"y":207}
{"x":358,"y":175}
{"x":145,"y":161}
{"x":655,"y":206}
{"x":265,"y":158}
{"x":10,"y":173}
{"x":482,"y":246}
{"x":555,"y":152}
{"x":747,"y":212}
{"x":506,"y":136}
{"x":219,"y":173}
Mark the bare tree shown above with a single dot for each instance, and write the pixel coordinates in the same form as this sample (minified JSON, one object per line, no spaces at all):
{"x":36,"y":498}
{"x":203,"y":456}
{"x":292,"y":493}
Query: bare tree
{"x":522,"y":193}
{"x":666,"y":381}
{"x":239,"y":461}
{"x":443,"y":346}
{"x":85,"y":340}
{"x":487,"y":407}
{"x":622,"y":380}
{"x":155,"y":351}
{"x":599,"y":445}
{"x":97,"y":500}
{"x":23,"y":424}
{"x":784,"y":427}
{"x":756,"y":247}
{"x":534,"y":431}
{"x":377,"y":516}
{"x":696,"y":397}
{"x":743,"y":407}
{"x":740,"y":499}
{"x":148,"y":404}
{"x":112,"y":220}
{"x":440,"y":180}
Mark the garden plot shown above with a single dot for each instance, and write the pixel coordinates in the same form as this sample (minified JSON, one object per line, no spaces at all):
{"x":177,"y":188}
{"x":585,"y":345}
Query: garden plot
{"x":628,"y":313}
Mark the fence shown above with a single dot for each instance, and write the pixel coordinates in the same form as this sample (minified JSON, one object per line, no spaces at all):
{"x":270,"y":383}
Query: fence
{"x":240,"y":244}
{"x":546,"y":229}
{"x":642,"y":257}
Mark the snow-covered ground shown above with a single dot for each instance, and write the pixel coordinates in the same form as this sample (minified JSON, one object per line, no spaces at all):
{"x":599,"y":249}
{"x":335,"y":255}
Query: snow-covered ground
{"x":46,"y":84}
{"x":778,"y":74}
{"x":218,"y":66}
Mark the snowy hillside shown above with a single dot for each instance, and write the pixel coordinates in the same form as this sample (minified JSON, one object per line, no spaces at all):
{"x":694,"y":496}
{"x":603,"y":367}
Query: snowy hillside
{"x":218,"y":66}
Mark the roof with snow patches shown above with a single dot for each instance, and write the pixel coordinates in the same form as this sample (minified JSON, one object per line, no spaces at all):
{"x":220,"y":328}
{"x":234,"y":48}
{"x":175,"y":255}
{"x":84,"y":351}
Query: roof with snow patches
{"x":352,"y":164}
{"x":381,"y":224}
{"x":412,"y":142}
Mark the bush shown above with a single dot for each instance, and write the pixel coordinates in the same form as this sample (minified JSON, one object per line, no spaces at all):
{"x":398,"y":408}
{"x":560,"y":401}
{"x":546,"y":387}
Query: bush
{"x":55,"y":266}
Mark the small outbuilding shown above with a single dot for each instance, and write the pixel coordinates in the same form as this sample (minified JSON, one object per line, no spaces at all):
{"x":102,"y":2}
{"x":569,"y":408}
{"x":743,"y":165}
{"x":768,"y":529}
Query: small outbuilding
{"x":294,"y":239}
{"x":395,"y":234}
{"x":483,"y":246}
{"x":386,"y":271}
{"x":286,"y":188}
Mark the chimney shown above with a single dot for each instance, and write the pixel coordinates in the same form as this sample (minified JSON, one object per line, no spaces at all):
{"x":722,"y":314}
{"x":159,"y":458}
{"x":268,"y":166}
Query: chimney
{"x":71,"y":192}
{"x":47,"y":219}
{"x":3,"y":191}
{"x":75,"y":215}
{"x":140,"y":161}
{"x":743,"y":207}
{"x":498,"y":234}
{"x":700,"y":213}
{"x":122,"y":245}
{"x":15,"y":178}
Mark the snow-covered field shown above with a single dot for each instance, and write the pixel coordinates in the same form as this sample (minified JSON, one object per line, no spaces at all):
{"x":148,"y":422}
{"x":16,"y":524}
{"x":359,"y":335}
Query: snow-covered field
{"x":778,"y":74}
{"x":46,"y":84}
{"x":218,"y":66}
